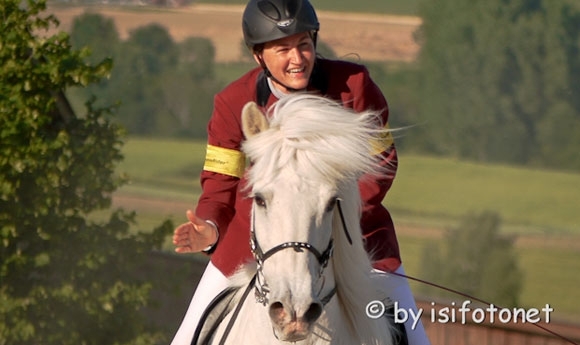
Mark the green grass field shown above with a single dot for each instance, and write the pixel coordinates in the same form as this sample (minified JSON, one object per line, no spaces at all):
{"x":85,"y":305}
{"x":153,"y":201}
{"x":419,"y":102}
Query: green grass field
{"x":529,"y":201}
{"x":426,"y":189}
{"x":429,"y":194}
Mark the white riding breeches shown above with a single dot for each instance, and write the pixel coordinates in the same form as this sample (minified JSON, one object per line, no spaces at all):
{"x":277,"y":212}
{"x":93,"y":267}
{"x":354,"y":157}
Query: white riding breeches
{"x":399,"y":291}
{"x":213,"y":282}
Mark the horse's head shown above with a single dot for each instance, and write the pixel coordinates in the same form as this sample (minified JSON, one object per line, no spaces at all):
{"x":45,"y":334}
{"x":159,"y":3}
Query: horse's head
{"x":306,"y":154}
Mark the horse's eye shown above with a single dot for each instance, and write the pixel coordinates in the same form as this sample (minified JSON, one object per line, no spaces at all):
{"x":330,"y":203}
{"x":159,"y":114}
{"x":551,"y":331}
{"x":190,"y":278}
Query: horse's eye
{"x":331,"y":204}
{"x":259,"y":200}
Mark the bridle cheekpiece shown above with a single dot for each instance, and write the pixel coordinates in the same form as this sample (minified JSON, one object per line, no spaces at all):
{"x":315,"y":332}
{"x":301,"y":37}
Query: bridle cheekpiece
{"x":261,"y":287}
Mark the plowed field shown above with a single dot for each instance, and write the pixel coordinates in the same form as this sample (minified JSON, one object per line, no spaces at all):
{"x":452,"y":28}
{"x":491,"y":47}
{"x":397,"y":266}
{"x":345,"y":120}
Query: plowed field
{"x":373,"y":37}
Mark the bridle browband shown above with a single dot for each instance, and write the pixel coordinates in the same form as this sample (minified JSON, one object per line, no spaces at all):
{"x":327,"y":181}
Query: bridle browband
{"x":323,"y":258}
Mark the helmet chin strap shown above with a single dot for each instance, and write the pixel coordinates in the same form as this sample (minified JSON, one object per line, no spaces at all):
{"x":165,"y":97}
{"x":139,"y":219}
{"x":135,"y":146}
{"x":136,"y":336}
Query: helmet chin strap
{"x":269,"y":75}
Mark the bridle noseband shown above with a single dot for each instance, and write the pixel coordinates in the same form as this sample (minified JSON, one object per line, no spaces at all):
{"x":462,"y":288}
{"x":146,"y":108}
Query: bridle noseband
{"x":260,"y":256}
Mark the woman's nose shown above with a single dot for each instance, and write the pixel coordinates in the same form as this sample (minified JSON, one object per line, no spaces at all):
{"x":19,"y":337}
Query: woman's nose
{"x":296,"y":55}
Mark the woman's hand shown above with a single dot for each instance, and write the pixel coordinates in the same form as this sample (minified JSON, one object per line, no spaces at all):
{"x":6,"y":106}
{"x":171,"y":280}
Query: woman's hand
{"x":195,"y":235}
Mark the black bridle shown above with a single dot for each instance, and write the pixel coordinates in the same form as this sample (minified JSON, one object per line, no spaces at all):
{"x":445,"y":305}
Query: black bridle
{"x":261,"y":288}
{"x":323,"y":258}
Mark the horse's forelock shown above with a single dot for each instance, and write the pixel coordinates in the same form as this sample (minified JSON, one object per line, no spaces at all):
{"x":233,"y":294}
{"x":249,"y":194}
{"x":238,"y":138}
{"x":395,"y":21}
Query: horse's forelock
{"x":315,"y":137}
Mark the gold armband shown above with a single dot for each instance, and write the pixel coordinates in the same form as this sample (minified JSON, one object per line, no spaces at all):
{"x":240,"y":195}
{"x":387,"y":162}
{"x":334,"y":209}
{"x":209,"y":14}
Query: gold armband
{"x":383,"y":141}
{"x":224,"y":161}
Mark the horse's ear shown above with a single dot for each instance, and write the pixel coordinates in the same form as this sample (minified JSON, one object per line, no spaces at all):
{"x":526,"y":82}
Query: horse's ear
{"x":253,"y":120}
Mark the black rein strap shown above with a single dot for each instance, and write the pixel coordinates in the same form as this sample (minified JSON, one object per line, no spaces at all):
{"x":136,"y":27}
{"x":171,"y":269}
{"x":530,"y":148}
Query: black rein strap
{"x":237,"y":312}
{"x":343,"y":222}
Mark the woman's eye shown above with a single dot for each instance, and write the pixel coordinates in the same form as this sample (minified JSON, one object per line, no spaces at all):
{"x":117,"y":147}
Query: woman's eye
{"x":260,"y":201}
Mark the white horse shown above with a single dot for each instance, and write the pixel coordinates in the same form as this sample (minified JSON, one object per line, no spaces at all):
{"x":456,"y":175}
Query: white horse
{"x":312,"y":279}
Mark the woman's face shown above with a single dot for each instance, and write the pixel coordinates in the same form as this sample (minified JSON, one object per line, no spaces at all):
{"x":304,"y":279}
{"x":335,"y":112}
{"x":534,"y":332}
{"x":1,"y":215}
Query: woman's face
{"x":290,"y":60}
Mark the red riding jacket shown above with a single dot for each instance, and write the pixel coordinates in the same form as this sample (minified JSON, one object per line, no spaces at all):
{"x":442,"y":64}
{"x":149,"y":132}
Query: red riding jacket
{"x":223,"y":201}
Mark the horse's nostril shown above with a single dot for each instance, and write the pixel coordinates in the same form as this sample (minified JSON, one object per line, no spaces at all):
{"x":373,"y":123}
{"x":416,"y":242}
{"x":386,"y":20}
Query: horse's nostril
{"x":277,"y":311}
{"x":313,"y":312}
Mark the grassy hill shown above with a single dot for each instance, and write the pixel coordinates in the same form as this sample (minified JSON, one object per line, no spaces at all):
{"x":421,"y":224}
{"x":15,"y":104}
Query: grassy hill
{"x":426,"y":190}
{"x":530,"y":201}
{"x":428,"y":195}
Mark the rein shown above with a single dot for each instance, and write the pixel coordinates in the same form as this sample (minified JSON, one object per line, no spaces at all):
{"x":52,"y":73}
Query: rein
{"x":236,"y":312}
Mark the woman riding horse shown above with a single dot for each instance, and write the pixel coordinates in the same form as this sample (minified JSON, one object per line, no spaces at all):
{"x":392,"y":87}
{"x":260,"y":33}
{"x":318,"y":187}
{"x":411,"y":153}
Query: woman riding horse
{"x":281,"y":35}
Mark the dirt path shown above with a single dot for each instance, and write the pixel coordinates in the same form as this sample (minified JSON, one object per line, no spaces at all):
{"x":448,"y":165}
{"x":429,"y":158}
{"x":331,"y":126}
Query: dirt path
{"x":373,"y":37}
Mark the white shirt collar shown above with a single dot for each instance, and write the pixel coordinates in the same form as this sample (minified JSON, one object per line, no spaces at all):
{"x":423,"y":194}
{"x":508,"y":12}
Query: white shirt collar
{"x":275,"y":91}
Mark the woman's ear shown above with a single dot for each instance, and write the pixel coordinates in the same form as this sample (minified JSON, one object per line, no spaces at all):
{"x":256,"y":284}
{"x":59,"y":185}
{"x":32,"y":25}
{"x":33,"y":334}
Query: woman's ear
{"x":257,"y":58}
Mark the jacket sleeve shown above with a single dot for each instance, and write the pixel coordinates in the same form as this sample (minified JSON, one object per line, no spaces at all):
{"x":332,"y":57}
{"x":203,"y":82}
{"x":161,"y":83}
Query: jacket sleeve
{"x":223,"y":166}
{"x":376,"y":222}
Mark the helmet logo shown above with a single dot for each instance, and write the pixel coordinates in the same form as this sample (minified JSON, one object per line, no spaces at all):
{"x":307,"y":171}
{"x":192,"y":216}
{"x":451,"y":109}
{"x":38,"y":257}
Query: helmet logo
{"x":285,"y":23}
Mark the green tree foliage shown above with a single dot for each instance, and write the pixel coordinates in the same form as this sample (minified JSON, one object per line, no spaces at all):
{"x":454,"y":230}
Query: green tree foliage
{"x":196,"y":58}
{"x":97,"y":32}
{"x":500,"y":80}
{"x":476,"y":259}
{"x":142,"y":60}
{"x":97,"y":35}
{"x":65,"y":279}
{"x":163,"y":88}
{"x":398,"y":83}
{"x":325,"y":50}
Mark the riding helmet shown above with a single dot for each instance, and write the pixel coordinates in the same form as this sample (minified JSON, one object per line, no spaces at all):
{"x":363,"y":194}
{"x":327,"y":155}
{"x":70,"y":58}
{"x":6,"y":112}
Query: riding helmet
{"x":268,"y":20}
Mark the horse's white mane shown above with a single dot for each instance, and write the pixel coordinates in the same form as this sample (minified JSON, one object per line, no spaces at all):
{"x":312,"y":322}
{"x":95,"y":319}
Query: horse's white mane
{"x":320,"y":140}
{"x":314,"y":137}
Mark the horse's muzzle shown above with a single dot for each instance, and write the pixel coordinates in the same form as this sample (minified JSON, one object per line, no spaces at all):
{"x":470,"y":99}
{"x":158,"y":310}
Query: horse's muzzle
{"x":288,"y":326}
